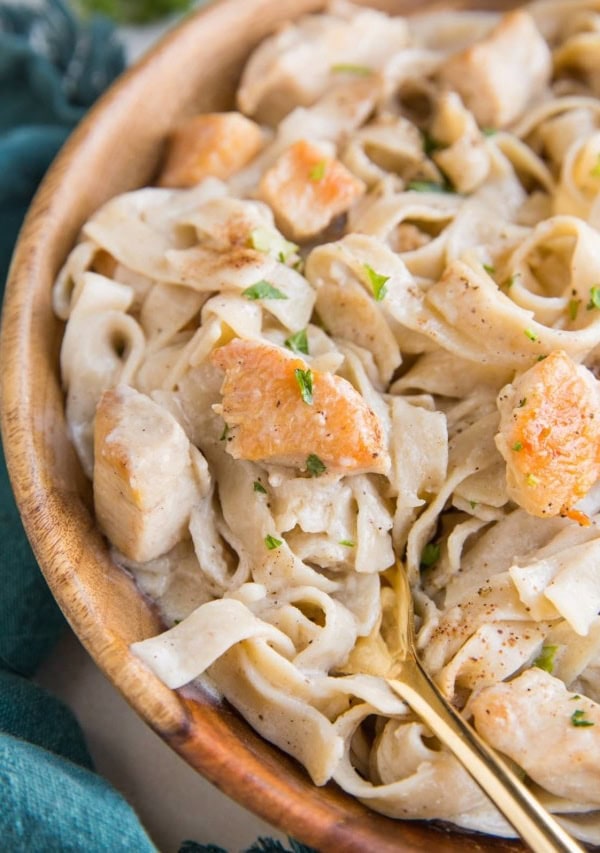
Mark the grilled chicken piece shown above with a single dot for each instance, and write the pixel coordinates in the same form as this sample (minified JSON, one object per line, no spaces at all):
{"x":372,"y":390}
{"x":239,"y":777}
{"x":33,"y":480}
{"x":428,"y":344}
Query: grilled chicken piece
{"x":144,"y":474}
{"x":212,"y":145}
{"x":268,"y":407}
{"x":498,"y":76}
{"x":550,"y":436}
{"x":552,"y":734}
{"x":306,"y":189}
{"x":297,"y":65}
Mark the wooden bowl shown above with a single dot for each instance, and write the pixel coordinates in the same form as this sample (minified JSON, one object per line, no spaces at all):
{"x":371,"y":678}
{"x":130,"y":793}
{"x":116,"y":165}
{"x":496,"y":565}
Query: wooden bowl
{"x":116,"y":149}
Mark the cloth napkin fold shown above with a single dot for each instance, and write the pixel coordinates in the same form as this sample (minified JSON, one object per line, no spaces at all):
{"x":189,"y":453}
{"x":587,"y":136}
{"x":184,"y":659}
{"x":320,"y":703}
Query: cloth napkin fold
{"x":51,"y":71}
{"x":52,"y":68}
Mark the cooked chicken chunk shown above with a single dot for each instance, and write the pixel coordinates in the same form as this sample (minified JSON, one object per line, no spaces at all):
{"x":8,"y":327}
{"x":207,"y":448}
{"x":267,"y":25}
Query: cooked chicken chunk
{"x":144,"y":474}
{"x":550,"y":436}
{"x":552,"y":734}
{"x":297,"y":65}
{"x":280,"y":411}
{"x":497,"y":91}
{"x":307,"y":189}
{"x":212,"y":145}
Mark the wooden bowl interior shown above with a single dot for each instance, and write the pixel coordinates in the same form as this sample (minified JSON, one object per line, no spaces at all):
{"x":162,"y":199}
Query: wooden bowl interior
{"x":117,"y":148}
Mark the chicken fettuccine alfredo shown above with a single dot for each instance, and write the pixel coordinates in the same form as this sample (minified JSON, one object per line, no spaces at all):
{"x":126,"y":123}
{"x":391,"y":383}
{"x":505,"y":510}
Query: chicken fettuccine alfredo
{"x":353,"y":331}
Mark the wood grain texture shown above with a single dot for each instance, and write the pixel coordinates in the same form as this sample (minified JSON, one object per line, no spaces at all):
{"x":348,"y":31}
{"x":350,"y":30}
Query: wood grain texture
{"x":117,"y":148}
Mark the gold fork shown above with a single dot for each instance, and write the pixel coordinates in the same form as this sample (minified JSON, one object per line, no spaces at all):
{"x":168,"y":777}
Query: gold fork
{"x":528,"y":817}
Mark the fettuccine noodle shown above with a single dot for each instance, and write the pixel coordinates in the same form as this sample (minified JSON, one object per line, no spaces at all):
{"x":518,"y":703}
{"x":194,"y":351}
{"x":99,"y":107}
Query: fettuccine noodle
{"x":354,"y":330}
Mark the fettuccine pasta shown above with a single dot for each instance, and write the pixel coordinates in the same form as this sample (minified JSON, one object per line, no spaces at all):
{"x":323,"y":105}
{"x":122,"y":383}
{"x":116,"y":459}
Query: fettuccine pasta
{"x":354,"y":330}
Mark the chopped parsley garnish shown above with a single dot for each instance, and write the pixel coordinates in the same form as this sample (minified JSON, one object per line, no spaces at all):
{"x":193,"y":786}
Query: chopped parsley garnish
{"x":314,"y":466}
{"x":271,"y":542}
{"x":225,"y":434}
{"x":529,"y":333}
{"x":508,"y":283}
{"x":573,"y":308}
{"x":298,"y":342}
{"x":263,"y":290}
{"x":304,"y":378}
{"x":489,"y":131}
{"x":272,"y":243}
{"x":531,"y":480}
{"x":545,"y":659}
{"x":541,"y":357}
{"x":258,"y":487}
{"x":351,"y":68}
{"x":472,"y":504}
{"x":430,"y":554}
{"x":430,"y":145}
{"x":522,"y":402}
{"x":378,"y":282}
{"x":594,"y":297}
{"x":428,"y":187}
{"x":348,"y":543}
{"x":595,"y":171}
{"x":176,"y":622}
{"x":518,"y":445}
{"x":317,"y":172}
{"x":490,"y":270}
{"x":578,"y":719}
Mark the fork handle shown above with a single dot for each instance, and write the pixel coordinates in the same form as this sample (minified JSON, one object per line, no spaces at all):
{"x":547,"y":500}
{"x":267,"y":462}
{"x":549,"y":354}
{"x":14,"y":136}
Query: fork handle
{"x":529,"y":818}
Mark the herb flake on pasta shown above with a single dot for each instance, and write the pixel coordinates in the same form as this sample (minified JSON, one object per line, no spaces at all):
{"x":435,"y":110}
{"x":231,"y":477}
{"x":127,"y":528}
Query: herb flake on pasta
{"x":298,"y":342}
{"x":578,"y":719}
{"x":378,"y":282}
{"x":351,"y":68}
{"x":545,"y":660}
{"x":263,"y":290}
{"x":272,"y":243}
{"x":430,"y":554}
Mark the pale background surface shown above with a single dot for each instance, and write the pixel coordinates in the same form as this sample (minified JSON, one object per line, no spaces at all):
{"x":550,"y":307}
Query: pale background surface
{"x":173,"y":801}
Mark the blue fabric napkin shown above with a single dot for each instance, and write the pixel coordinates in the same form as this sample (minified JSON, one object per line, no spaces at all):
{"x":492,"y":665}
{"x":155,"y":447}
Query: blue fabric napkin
{"x":52,"y":68}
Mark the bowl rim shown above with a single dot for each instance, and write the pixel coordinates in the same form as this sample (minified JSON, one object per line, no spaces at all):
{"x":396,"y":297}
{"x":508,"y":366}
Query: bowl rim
{"x":338,"y":824}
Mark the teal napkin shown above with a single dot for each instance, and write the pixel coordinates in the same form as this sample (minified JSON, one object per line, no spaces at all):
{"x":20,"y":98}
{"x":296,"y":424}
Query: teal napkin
{"x":51,"y":71}
{"x":52,"y":68}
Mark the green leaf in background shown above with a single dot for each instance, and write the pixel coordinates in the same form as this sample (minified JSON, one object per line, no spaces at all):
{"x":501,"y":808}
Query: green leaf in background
{"x":132,"y":11}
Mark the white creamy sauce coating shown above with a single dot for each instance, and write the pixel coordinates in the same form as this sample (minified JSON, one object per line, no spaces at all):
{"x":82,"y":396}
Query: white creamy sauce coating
{"x":355,"y":330}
